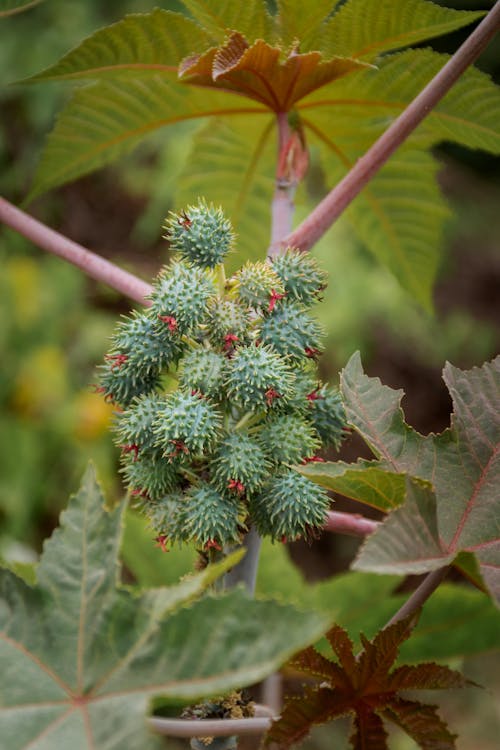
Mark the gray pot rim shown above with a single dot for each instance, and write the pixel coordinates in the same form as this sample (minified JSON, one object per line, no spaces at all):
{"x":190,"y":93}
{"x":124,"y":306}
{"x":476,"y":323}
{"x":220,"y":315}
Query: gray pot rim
{"x":257,"y":724}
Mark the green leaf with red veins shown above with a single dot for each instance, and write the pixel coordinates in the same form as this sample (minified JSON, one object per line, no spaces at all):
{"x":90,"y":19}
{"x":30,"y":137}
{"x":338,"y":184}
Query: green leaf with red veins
{"x":457,"y":508}
{"x":81,"y":656}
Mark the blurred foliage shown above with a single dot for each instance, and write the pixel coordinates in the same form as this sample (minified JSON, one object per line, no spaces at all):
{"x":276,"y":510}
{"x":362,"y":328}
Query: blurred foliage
{"x":50,"y":420}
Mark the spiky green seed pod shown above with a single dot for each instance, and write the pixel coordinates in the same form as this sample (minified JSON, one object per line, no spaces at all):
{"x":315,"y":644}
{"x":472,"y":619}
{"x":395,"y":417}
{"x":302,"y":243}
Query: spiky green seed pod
{"x":164,"y":515}
{"x":134,"y":426}
{"x":258,"y":378}
{"x":188,"y":423}
{"x":120,"y":385}
{"x":148,"y":347}
{"x":327,"y":414}
{"x":300,"y":275}
{"x":239,"y":465}
{"x":257,"y":285}
{"x":180,"y":297}
{"x":203,"y":371}
{"x":289,"y":506}
{"x":207,"y":516}
{"x":305,"y":382}
{"x":201,"y":234}
{"x":228,"y":324}
{"x":288,"y":439}
{"x":291,"y":331}
{"x":151,"y":477}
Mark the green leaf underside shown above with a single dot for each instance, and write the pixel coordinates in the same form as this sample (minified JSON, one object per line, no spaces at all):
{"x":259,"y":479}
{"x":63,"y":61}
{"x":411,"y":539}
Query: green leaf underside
{"x":402,"y":225}
{"x":455,"y":621}
{"x":374,"y":97}
{"x":232,"y":161}
{"x":142,"y":43}
{"x":400,"y":214}
{"x":364,"y":481}
{"x":81,"y":658}
{"x":367,"y":687}
{"x":220,"y":16}
{"x":305,"y":28}
{"x":365,"y":29}
{"x":107,"y":120}
{"x":456,"y":508}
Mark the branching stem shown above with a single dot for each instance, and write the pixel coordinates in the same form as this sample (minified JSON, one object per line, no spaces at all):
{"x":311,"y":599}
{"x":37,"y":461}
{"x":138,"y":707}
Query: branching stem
{"x":93,"y":265}
{"x":337,"y":200}
{"x":352,"y":524}
{"x":420,"y":595}
{"x":320,"y":219}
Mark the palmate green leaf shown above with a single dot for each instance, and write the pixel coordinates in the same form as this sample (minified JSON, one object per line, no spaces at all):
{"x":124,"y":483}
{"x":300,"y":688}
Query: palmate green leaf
{"x":232,"y":161}
{"x":140,"y":44}
{"x":400,"y":214}
{"x":363,"y":481}
{"x":220,"y":16}
{"x":363,"y":29}
{"x":462,"y":514}
{"x":456,"y":621}
{"x":11,"y":7}
{"x":374,"y":97}
{"x":106,"y":120}
{"x":81,"y":656}
{"x":304,"y":28}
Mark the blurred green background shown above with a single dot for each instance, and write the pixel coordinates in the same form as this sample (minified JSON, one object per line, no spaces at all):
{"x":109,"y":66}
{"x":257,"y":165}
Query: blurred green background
{"x":55,"y":323}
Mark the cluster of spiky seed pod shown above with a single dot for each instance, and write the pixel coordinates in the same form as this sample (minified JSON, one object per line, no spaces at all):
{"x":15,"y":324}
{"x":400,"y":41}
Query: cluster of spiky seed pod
{"x":218,"y":394}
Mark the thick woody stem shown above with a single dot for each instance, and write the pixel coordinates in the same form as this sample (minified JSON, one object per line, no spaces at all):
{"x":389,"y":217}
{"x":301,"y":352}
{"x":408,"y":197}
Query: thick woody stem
{"x":332,"y":206}
{"x":93,"y":265}
{"x":420,"y":595}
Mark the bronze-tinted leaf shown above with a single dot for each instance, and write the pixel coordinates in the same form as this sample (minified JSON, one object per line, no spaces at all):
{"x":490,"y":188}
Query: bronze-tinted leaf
{"x":368,"y":732}
{"x":365,"y":687}
{"x":300,"y":714}
{"x":258,"y":71}
{"x":421,"y":723}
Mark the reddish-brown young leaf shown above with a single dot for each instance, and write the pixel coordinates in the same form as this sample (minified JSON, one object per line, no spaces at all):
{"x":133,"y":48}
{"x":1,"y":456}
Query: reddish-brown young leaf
{"x":422,"y":723}
{"x":368,"y":733}
{"x":426,"y":676}
{"x":343,"y":648}
{"x":259,"y":72}
{"x":313,"y":706}
{"x":315,"y":664}
{"x":379,"y":655}
{"x":365,"y":687}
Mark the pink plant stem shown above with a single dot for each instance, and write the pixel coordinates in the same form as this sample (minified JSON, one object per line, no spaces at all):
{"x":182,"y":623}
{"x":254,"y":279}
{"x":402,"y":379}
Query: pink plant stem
{"x":352,"y":524}
{"x":93,"y":265}
{"x":332,"y":206}
{"x":282,"y":206}
{"x":420,"y":595}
